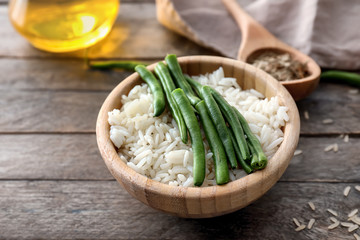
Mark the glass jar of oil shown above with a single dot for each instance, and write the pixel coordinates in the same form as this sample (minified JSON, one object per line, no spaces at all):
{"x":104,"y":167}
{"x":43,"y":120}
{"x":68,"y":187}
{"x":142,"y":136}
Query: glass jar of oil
{"x":63,"y":25}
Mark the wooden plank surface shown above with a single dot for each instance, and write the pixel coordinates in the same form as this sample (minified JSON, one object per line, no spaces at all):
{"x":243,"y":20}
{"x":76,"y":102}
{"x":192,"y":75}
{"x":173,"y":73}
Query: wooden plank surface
{"x":53,"y":156}
{"x":331,"y":101}
{"x":49,"y":111}
{"x":35,"y":74}
{"x":136,"y":34}
{"x":96,"y":210}
{"x":75,"y":156}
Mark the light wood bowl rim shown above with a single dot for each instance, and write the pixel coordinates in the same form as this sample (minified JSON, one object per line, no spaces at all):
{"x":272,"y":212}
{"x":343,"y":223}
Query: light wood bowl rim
{"x":284,"y":153}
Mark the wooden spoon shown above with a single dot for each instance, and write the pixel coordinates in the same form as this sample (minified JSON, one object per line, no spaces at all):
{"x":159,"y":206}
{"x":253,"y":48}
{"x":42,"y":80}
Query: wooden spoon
{"x":256,"y":39}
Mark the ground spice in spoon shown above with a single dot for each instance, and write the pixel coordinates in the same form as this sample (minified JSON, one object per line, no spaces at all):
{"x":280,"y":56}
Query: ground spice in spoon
{"x":281,"y":66}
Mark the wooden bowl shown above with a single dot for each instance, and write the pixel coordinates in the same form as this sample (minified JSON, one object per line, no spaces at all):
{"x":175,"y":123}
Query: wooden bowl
{"x":203,"y":202}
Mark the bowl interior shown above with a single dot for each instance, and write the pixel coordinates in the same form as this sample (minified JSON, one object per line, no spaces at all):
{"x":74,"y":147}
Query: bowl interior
{"x":202,"y":202}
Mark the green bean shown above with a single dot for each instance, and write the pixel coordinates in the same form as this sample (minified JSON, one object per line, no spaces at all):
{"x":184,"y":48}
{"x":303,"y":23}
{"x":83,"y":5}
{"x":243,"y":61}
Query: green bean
{"x":216,"y":146}
{"x":195,"y":135}
{"x":254,"y":142}
{"x":168,"y":85}
{"x":234,"y":123}
{"x":196,"y":85}
{"x":124,"y":65}
{"x":179,"y":79}
{"x":219,"y":122}
{"x":155,"y":87}
{"x":247,"y":168}
{"x":341,"y":76}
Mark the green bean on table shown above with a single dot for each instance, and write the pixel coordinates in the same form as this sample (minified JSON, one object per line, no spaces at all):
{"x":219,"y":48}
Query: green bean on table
{"x":234,"y":123}
{"x":195,"y":135}
{"x":168,"y":85}
{"x":155,"y":87}
{"x":179,"y":78}
{"x":261,"y":161}
{"x":216,"y":146}
{"x":341,"y":77}
{"x":220,"y":124}
{"x":124,"y":65}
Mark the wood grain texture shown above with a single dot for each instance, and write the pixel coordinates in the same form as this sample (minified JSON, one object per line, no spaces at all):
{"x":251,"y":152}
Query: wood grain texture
{"x":96,"y":210}
{"x":210,"y":201}
{"x":75,"y":156}
{"x":51,"y":156}
{"x":49,"y":111}
{"x":316,"y":165}
{"x":66,"y":74}
{"x":136,"y":34}
{"x":331,"y":101}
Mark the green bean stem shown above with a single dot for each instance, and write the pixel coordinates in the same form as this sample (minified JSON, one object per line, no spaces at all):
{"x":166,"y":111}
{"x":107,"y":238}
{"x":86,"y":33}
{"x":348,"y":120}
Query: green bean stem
{"x":124,"y":65}
{"x":341,"y":76}
{"x":195,"y":135}
{"x":247,"y":168}
{"x":234,"y":123}
{"x":220,"y":124}
{"x":155,"y":87}
{"x":168,"y":85}
{"x":179,"y":79}
{"x":216,"y":146}
{"x":254,"y":142}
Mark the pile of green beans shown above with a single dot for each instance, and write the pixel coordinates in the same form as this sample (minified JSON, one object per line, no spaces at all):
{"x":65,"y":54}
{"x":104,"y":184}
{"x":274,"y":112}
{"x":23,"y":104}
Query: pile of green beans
{"x":226,"y":130}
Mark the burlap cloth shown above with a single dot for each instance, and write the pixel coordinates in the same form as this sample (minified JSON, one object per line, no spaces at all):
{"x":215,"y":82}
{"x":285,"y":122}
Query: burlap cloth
{"x":326,"y":30}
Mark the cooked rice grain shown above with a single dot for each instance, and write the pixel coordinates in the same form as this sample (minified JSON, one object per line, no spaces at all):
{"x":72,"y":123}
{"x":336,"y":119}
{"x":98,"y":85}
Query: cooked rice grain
{"x":152,"y":145}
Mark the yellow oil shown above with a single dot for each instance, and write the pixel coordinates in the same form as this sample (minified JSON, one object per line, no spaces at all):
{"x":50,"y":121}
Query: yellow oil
{"x":63,"y":25}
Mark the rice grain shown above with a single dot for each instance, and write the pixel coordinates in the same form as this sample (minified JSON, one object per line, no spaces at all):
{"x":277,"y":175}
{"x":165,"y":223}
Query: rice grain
{"x":352,"y":228}
{"x":334,"y":225}
{"x":311,"y":223}
{"x":357,"y":188}
{"x":300,"y":228}
{"x":297,"y":223}
{"x":353,"y":213}
{"x":306,"y":115}
{"x":297,"y":152}
{"x":327,"y":121}
{"x":346,"y":138}
{"x":312,"y":206}
{"x":357,"y":237}
{"x":332,"y":212}
{"x":347,"y":191}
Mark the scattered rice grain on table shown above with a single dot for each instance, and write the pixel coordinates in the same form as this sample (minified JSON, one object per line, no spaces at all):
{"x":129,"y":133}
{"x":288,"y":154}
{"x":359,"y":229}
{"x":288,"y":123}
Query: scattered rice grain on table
{"x":357,"y":188}
{"x":135,"y":130}
{"x":333,"y":219}
{"x":312,"y":205}
{"x":311,"y":223}
{"x":297,"y":152}
{"x":355,"y":219}
{"x":332,"y":212}
{"x":357,"y":237}
{"x":353,"y":228}
{"x":353,"y":91}
{"x":353,"y":213}
{"x":334,"y":225}
{"x":346,"y":138}
{"x":306,"y":115}
{"x":297,"y":223}
{"x":347,"y":191}
{"x":346,"y":224}
{"x":300,"y":228}
{"x":327,"y":121}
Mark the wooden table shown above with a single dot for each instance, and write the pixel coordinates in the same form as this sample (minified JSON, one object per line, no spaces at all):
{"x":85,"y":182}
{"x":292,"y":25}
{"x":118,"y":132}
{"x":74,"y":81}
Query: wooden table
{"x":54,"y":184}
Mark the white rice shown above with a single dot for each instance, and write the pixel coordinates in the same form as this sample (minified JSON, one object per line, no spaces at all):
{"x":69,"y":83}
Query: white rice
{"x":152,"y":145}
